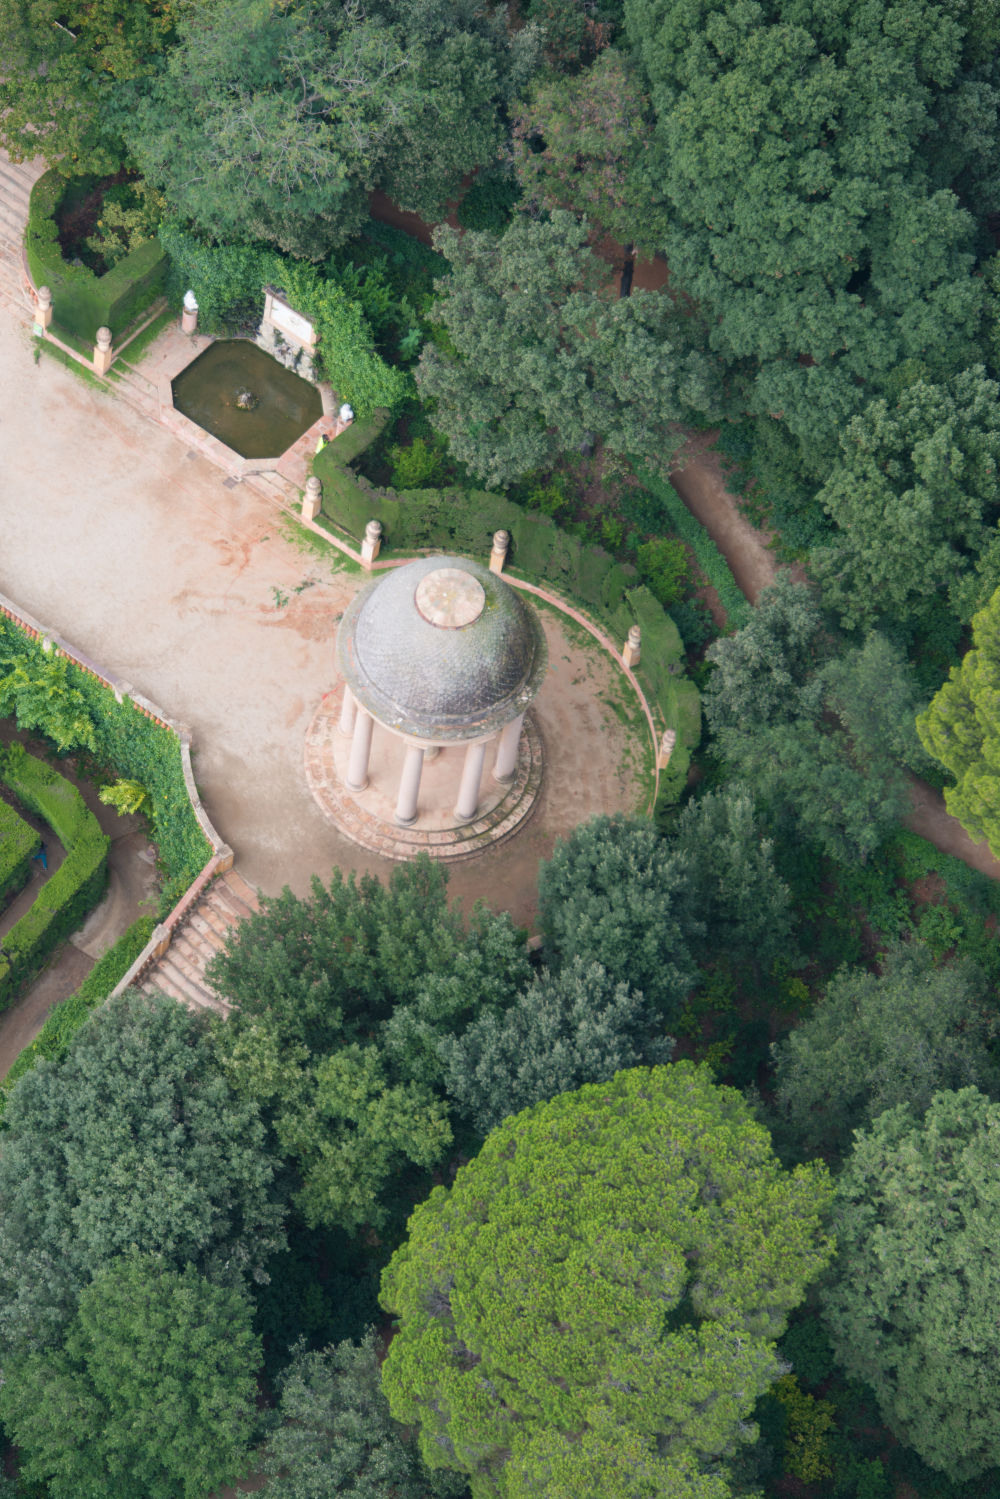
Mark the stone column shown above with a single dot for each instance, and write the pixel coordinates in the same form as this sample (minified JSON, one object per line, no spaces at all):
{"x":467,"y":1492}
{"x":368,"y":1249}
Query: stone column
{"x":361,"y":748}
{"x":630,"y":650}
{"x":189,"y":315}
{"x":312,"y":500}
{"x":103,"y":353}
{"x":498,"y":556}
{"x":371,"y":544}
{"x":43,"y":307}
{"x":472,"y":775}
{"x":409,"y":786}
{"x":348,"y":713}
{"x":505,"y":763}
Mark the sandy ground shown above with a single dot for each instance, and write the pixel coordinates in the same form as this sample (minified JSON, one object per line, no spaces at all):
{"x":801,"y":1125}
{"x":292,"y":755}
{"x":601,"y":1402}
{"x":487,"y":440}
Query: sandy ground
{"x":136,"y":550}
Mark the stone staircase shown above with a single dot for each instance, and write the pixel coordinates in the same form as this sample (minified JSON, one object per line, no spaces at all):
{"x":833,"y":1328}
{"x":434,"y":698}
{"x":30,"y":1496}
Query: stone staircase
{"x":16,"y":181}
{"x":202,"y":933}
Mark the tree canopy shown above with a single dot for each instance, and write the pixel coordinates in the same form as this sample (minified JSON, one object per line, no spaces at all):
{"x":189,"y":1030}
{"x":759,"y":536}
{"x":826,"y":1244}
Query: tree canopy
{"x":912,"y":1311}
{"x":542,"y":358}
{"x":134,"y":1142}
{"x":878,"y":1040}
{"x":959,"y":729}
{"x":612,"y":1268}
{"x":153,"y":1393}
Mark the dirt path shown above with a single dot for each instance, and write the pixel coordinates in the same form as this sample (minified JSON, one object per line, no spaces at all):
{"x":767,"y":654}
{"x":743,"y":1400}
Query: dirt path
{"x":701,"y":485}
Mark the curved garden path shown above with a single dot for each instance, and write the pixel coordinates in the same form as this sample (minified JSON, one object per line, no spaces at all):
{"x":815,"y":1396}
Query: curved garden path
{"x":747,"y":550}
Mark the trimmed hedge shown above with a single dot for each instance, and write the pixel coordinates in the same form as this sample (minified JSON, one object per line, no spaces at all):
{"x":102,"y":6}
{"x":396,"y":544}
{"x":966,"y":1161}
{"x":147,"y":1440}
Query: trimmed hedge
{"x":65,"y":1019}
{"x":710,"y":559}
{"x":464,"y":521}
{"x":19,"y":843}
{"x":75,"y":887}
{"x":139,"y":750}
{"x":83,"y":302}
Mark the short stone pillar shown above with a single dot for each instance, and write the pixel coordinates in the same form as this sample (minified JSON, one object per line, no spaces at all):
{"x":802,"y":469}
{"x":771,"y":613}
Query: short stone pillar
{"x":666,"y":749}
{"x":505,"y":763}
{"x":372,"y":543}
{"x":189,"y":314}
{"x":631,"y":653}
{"x":312,"y":500}
{"x":103,"y":352}
{"x":361,"y":748}
{"x":409,"y":786}
{"x":43,"y":307}
{"x":472,"y":774}
{"x":498,"y":556}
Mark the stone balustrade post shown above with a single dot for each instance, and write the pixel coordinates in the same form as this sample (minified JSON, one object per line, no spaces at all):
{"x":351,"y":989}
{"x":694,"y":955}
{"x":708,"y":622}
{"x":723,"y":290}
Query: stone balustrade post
{"x":631,"y":652}
{"x":312,"y":500}
{"x":43,"y":307}
{"x":666,"y":749}
{"x":372,"y":543}
{"x":103,"y":352}
{"x":498,"y":556}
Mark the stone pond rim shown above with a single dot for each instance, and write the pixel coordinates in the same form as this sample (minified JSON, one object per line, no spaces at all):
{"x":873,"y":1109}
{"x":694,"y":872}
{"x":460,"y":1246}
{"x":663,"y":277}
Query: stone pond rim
{"x":208,"y":393}
{"x":441,"y":649}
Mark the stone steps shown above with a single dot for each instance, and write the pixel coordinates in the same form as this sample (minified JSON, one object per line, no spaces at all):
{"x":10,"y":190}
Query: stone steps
{"x":202,"y":933}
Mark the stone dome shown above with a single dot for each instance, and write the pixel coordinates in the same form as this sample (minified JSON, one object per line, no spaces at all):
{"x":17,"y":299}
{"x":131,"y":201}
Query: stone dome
{"x":442,"y":649}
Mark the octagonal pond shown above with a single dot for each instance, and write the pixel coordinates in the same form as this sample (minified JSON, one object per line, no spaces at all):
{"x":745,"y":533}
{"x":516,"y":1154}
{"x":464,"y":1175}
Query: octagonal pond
{"x":246,"y":399}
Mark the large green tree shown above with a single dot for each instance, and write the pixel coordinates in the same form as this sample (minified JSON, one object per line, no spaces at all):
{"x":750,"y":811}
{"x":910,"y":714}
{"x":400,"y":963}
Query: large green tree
{"x":71,"y":72}
{"x":542,"y":356}
{"x":822,"y":738}
{"x":591,"y":1308}
{"x":153,"y":1392}
{"x":913,"y":496}
{"x":134,"y":1141}
{"x":336,"y":1434}
{"x":913,"y":1308}
{"x":577,"y":1026}
{"x":876,"y":1040}
{"x":808,"y":152}
{"x":960,"y":730}
{"x":614,"y":892}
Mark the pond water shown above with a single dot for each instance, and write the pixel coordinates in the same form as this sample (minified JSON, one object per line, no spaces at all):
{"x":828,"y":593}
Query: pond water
{"x":212,"y":391}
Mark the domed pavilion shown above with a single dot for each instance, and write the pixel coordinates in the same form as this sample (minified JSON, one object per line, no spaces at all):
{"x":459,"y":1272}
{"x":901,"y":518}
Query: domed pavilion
{"x":444,"y":656}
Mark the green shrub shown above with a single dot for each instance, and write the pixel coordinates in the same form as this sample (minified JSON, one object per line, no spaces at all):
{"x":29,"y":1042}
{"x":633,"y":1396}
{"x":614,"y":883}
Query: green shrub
{"x":139,"y":750}
{"x":489,"y":202}
{"x":19,"y":843}
{"x":663,"y":567}
{"x":83,"y":302}
{"x":75,"y":887}
{"x":418,"y":466}
{"x":66,"y":1019}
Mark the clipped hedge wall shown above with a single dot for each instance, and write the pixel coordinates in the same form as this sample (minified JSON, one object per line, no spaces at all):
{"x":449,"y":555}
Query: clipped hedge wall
{"x":139,"y":750}
{"x":76,"y":886}
{"x":464,"y":521}
{"x":65,"y":1019}
{"x":19,"y":843}
{"x":710,"y":559}
{"x":83,"y":302}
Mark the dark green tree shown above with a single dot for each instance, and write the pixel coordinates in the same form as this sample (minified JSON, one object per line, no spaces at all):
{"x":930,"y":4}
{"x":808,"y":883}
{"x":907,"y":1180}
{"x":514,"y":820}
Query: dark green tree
{"x":134,"y":1141}
{"x":912,"y":1311}
{"x":153,"y":1393}
{"x":577,"y":1026}
{"x":913,"y":496}
{"x":594,"y":1301}
{"x":735,"y":888}
{"x":542,"y":356}
{"x":877,"y":1040}
{"x":807,"y":153}
{"x":616,"y":893}
{"x":337,"y":1435}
